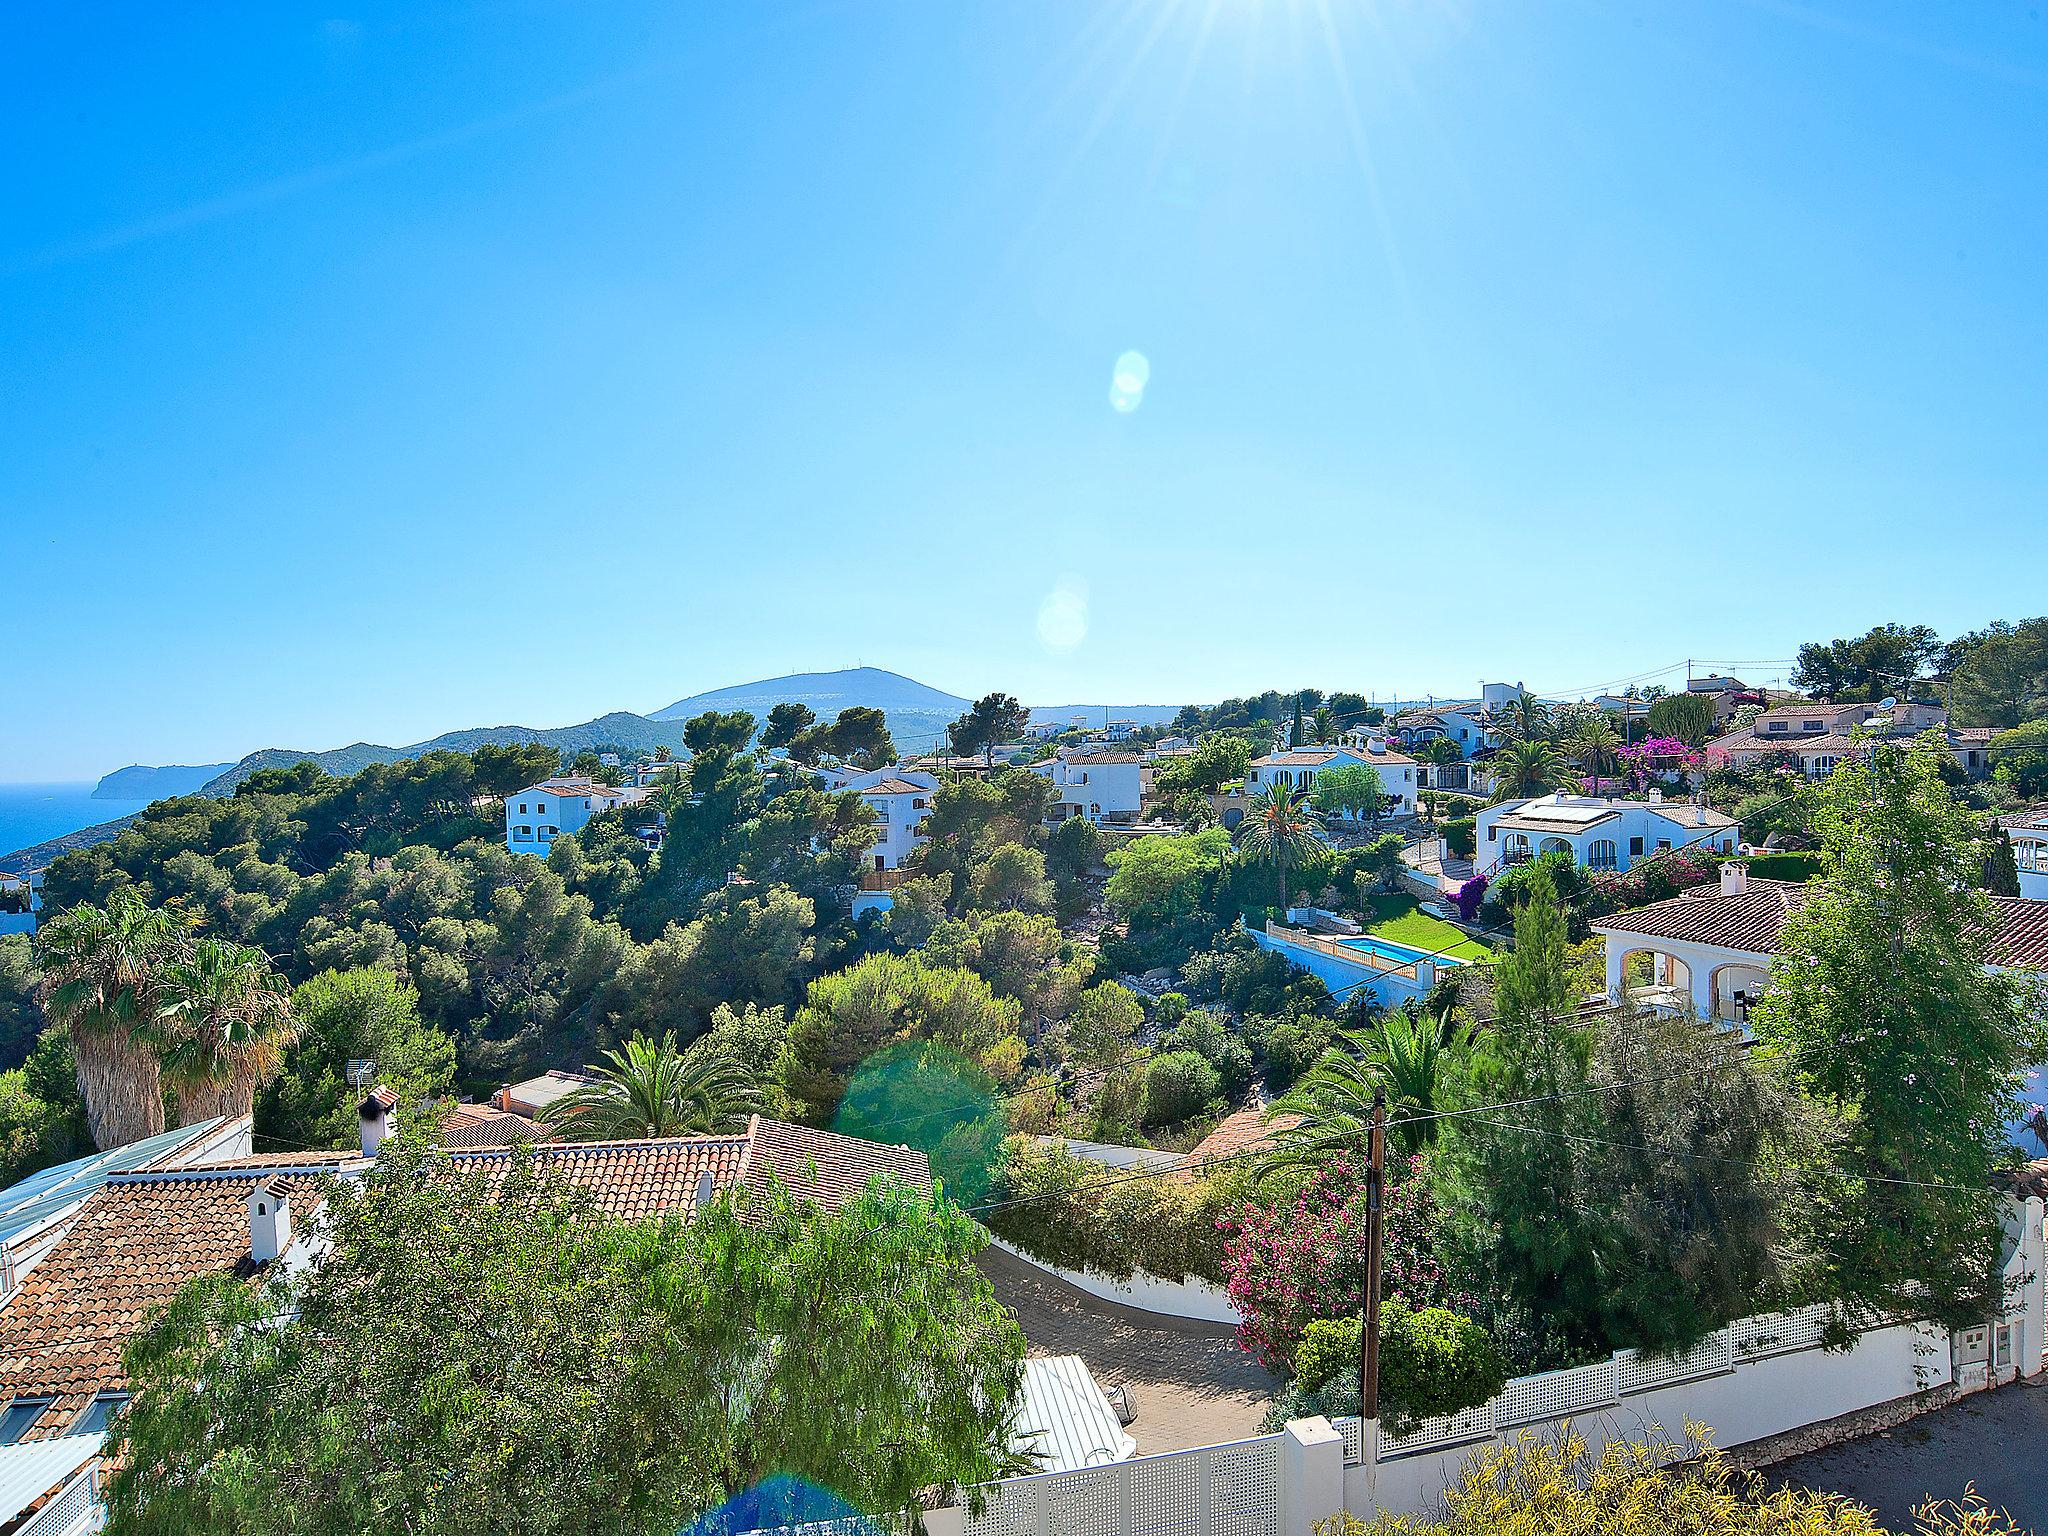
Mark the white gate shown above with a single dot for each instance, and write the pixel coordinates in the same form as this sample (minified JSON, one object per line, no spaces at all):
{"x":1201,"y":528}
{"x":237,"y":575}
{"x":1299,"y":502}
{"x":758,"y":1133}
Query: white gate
{"x":1218,"y":1490}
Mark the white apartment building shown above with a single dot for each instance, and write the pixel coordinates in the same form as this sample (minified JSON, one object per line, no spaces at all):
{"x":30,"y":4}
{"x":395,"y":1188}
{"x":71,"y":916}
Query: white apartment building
{"x":900,"y":797}
{"x":1597,"y":833}
{"x":537,"y":815}
{"x":1298,"y":770}
{"x":1102,"y":786}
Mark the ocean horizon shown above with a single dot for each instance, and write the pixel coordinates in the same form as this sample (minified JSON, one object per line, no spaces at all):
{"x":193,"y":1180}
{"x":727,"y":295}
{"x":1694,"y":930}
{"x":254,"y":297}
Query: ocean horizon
{"x":35,"y":813}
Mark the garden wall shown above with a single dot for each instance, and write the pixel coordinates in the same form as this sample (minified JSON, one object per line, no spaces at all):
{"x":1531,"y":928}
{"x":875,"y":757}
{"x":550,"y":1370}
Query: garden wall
{"x":1189,"y":1298}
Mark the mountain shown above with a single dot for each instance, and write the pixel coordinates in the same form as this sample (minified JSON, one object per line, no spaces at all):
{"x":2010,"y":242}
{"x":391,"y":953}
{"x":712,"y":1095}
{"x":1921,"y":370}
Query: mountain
{"x":918,"y":714}
{"x":139,"y":783}
{"x":826,"y":693}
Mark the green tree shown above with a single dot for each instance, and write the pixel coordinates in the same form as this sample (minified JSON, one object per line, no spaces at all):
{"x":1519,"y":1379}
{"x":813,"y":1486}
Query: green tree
{"x":786,"y":722}
{"x":21,"y":1016}
{"x":1526,"y":769}
{"x":877,"y":1362}
{"x":1215,"y":762}
{"x":652,"y":1088}
{"x":1178,"y":1086}
{"x":1999,"y":676}
{"x":102,"y":967}
{"x":1105,"y":1020}
{"x":1880,"y":1003}
{"x":1276,"y":832}
{"x":226,"y":1019}
{"x":368,"y":1014}
{"x":1352,"y":790}
{"x":993,"y":719}
{"x":1011,"y":879}
{"x":883,"y":999}
{"x":1687,"y":716}
{"x":1884,"y":661}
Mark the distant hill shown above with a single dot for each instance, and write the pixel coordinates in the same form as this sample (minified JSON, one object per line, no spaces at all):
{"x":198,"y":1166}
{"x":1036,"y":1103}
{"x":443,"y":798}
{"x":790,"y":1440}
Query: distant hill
{"x":631,"y":732}
{"x":1138,"y":714}
{"x":918,"y":714}
{"x":139,"y":783}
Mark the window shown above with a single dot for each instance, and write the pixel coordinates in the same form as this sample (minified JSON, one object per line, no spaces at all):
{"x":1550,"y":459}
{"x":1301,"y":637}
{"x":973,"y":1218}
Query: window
{"x":20,"y":1416}
{"x":1663,"y":845}
{"x":522,"y":834}
{"x":1813,"y":725}
{"x":2031,"y":856}
{"x":1601,"y":854}
{"x":1492,"y":834}
{"x":94,"y":1420}
{"x":1774,"y":725}
{"x":548,"y":832}
{"x":522,"y":807}
{"x":1635,"y":847}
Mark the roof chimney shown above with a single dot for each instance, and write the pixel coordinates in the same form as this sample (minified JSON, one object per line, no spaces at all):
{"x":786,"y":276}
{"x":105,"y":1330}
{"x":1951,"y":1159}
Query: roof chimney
{"x":1656,"y":797}
{"x":1734,"y":879}
{"x":270,"y":1219}
{"x":1699,"y":815}
{"x":701,"y":1197}
{"x":377,"y":1111}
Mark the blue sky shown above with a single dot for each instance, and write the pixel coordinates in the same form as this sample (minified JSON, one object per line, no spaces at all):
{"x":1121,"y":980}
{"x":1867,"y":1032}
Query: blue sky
{"x":369,"y":373}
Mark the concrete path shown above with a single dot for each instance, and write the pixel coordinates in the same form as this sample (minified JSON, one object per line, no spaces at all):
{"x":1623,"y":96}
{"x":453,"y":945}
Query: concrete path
{"x":1190,"y":1383}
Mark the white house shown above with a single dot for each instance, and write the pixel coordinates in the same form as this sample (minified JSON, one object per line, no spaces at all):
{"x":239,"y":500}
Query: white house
{"x":2028,"y":835}
{"x":1822,"y":735}
{"x":26,"y":886}
{"x":901,"y":801}
{"x":1102,"y":786}
{"x":537,"y":815}
{"x":1597,"y":833}
{"x":1460,"y":724}
{"x":1298,"y":770}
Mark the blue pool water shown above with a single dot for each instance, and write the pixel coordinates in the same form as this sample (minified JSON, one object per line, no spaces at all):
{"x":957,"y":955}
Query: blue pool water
{"x":1390,"y":953}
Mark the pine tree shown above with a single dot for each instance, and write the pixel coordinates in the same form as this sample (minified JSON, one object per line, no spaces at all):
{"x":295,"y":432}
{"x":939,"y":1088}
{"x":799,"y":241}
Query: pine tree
{"x":2001,"y":869}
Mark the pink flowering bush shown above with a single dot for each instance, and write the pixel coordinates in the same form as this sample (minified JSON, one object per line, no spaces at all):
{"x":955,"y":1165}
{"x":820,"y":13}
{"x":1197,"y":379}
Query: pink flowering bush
{"x":1288,"y":1263}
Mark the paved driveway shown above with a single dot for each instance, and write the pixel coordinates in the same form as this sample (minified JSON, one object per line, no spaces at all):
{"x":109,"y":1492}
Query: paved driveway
{"x":1997,"y":1440}
{"x":1189,"y":1382}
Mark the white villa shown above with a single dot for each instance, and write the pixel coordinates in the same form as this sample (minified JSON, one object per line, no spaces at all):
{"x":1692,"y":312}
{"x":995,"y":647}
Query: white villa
{"x":2028,"y":835}
{"x":1463,"y":725}
{"x":1821,"y":735}
{"x":1102,"y":786}
{"x":537,"y":815}
{"x":901,"y":798}
{"x":1597,"y":833}
{"x":1298,"y":769}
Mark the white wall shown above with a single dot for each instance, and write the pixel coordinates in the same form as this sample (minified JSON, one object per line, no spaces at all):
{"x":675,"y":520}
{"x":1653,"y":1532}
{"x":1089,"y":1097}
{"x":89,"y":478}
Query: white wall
{"x":1193,"y":1298}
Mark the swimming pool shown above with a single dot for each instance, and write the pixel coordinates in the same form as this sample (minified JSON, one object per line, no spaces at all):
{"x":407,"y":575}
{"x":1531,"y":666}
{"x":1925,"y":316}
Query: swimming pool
{"x":1387,"y":952}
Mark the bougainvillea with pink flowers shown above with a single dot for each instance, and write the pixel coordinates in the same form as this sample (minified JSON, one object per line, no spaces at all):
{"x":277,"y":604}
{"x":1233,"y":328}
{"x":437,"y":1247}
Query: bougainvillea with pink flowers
{"x":1289,"y":1263}
{"x":1644,"y":760}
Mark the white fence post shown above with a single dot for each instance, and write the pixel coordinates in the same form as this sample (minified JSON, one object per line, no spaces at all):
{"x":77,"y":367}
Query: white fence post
{"x":1312,"y":1480}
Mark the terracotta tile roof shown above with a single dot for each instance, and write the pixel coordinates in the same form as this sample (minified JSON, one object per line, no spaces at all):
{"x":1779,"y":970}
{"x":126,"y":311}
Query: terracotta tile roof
{"x":485,"y":1125}
{"x":893,"y":787}
{"x":1239,"y":1132}
{"x":141,"y":1238}
{"x":637,"y":1179}
{"x":1753,"y":920}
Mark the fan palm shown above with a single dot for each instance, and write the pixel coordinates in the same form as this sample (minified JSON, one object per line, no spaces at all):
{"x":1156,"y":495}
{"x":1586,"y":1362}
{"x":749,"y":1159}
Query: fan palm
{"x":100,"y":970}
{"x":225,"y":1018}
{"x":1527,"y":768}
{"x":1405,"y":1055}
{"x":1593,"y":746}
{"x":1523,"y":718}
{"x":1277,"y":830}
{"x":653,"y":1088}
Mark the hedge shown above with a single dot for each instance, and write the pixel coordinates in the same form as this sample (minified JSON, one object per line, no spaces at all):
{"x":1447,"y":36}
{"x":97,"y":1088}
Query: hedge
{"x":1798,"y":867}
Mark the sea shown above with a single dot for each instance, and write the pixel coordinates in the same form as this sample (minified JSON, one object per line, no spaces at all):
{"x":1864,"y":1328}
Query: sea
{"x":35,"y":813}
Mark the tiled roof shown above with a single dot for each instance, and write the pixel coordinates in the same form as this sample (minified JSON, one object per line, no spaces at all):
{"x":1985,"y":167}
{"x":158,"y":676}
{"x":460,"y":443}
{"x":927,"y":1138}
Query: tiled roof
{"x":1752,"y":921}
{"x":2027,"y":821}
{"x":140,"y":1239}
{"x":1239,"y":1132}
{"x":485,"y":1125}
{"x":827,"y":1167}
{"x":892,"y":787}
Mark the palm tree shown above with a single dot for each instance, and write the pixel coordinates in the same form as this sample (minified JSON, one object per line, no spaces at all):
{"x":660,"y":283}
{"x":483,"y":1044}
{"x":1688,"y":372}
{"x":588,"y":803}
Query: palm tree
{"x":1276,"y":830}
{"x":1526,"y":769}
{"x":1593,"y":746}
{"x":653,"y":1088}
{"x":1405,"y":1055}
{"x":225,"y":1018}
{"x":100,"y":970}
{"x":1524,"y":717}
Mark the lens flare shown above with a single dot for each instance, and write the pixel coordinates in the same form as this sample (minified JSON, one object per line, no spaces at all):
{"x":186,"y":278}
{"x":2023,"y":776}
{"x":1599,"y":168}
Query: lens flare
{"x":1127,"y":381}
{"x":1063,"y":616}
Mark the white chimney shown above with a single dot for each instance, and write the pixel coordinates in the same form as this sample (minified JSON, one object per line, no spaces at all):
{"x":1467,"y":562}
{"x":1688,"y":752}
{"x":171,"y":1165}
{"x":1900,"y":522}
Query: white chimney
{"x":377,"y":1111}
{"x":1734,"y":879}
{"x":1557,"y":797}
{"x":270,"y":1219}
{"x":1375,"y":743}
{"x":1656,"y":797}
{"x":1699,"y":815}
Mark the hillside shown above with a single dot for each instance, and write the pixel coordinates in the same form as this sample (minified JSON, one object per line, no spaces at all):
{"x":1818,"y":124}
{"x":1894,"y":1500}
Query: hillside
{"x":628,"y":731}
{"x":140,"y":783}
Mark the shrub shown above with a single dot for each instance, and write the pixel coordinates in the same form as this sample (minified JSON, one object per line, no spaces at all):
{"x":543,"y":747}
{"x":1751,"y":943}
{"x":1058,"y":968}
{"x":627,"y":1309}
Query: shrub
{"x":1075,"y":1214}
{"x":1432,"y":1362}
{"x":1178,"y":1086}
{"x":1788,"y":866}
{"x":1462,"y":836}
{"x":1209,"y":1037}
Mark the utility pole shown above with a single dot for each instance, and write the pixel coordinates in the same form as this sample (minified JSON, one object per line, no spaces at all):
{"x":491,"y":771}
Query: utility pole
{"x":1369,"y":1332}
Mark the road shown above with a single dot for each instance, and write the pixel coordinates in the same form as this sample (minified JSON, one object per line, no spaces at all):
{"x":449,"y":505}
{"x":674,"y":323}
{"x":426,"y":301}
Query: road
{"x":1997,"y":1440}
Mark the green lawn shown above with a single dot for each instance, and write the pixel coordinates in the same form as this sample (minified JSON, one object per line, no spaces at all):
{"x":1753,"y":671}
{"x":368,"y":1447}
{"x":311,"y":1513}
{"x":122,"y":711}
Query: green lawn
{"x":1396,"y":916}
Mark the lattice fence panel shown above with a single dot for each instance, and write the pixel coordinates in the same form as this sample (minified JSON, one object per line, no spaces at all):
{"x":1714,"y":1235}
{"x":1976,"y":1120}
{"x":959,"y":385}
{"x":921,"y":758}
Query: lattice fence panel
{"x":1165,"y":1492}
{"x":1554,"y":1394}
{"x":1446,"y":1429}
{"x":1012,"y":1511}
{"x":71,"y":1512}
{"x":1084,"y":1503}
{"x":1244,"y":1489}
{"x":1712,"y":1356}
{"x":1778,"y":1333}
{"x":1353,"y":1431}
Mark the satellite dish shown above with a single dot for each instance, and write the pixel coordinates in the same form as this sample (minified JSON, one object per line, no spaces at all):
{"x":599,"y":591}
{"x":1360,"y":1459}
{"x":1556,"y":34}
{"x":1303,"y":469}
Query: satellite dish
{"x":1887,"y":703}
